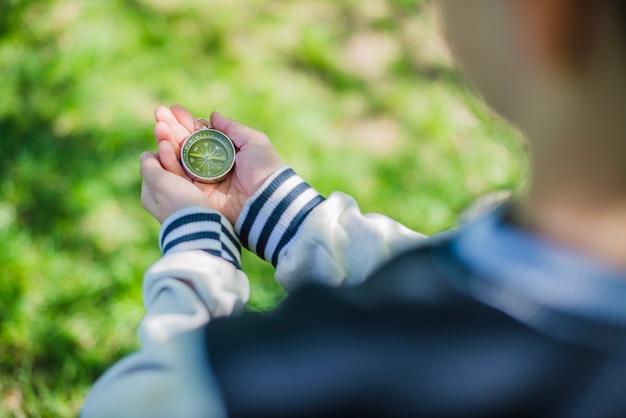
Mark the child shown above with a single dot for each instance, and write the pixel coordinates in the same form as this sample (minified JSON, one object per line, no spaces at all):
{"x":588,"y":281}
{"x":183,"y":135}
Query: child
{"x":520,"y":313}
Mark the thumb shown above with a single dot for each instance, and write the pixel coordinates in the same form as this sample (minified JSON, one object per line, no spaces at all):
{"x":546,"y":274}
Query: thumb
{"x":240,"y":134}
{"x":151,"y":169}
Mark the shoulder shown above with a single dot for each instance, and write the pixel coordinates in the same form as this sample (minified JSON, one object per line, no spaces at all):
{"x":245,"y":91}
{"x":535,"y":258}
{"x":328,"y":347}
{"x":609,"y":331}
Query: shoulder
{"x":429,"y":271}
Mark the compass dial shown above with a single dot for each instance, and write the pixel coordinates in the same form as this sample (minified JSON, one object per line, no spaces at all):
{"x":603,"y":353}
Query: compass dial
{"x":208,"y":155}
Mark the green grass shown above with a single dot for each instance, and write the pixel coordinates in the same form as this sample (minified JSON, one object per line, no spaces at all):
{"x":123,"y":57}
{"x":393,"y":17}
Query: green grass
{"x":357,"y":96}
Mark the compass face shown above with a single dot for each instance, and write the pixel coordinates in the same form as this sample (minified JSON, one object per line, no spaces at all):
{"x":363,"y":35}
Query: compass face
{"x":208,"y":155}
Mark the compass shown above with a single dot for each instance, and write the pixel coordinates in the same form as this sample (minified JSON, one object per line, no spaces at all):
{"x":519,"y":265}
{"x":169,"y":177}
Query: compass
{"x":207,"y":154}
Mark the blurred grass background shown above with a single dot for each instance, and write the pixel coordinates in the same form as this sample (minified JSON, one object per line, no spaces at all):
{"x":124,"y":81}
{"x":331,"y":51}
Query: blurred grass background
{"x":357,"y":96}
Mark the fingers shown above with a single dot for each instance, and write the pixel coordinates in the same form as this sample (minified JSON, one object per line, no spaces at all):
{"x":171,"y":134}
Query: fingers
{"x":163,"y":133}
{"x":176,"y":123}
{"x":240,"y":134}
{"x":184,"y":117}
{"x":151,"y":169}
{"x":148,"y":200}
{"x":165,"y":115}
{"x":168,"y":155}
{"x":162,"y":192}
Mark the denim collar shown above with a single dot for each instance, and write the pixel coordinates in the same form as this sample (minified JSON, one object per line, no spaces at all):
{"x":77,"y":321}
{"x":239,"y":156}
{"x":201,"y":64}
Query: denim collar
{"x":519,"y":263}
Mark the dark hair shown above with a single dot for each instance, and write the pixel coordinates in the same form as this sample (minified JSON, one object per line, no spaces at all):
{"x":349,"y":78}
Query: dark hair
{"x":576,"y":24}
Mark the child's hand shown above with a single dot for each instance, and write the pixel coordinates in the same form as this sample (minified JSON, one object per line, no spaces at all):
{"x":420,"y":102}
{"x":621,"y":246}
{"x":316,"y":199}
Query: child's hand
{"x":163,"y":193}
{"x":256,"y":159}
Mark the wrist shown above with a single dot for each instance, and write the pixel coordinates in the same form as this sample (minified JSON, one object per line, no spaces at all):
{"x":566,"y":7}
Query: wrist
{"x":203,"y":229}
{"x":272,"y":217}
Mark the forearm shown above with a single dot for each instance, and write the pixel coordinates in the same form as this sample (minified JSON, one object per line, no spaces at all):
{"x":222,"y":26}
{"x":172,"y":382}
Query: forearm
{"x":195,"y":281}
{"x":312,"y":239}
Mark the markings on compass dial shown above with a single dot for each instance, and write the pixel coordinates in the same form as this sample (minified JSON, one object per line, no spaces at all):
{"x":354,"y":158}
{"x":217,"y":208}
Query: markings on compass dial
{"x":208,"y":154}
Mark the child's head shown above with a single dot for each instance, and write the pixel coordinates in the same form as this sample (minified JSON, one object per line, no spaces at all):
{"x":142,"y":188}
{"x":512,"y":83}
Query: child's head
{"x":556,"y":68}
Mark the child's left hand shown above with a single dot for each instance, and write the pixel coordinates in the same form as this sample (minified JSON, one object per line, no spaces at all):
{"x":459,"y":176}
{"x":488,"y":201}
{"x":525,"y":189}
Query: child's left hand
{"x":163,"y":193}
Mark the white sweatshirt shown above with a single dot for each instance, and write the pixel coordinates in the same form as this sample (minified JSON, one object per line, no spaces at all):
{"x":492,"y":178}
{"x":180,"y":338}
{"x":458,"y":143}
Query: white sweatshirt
{"x":308,"y":239}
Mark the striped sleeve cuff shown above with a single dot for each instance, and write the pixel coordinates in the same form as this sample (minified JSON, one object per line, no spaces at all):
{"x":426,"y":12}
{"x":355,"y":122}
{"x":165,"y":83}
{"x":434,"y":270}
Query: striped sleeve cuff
{"x":200,"y":229}
{"x":272,"y":217}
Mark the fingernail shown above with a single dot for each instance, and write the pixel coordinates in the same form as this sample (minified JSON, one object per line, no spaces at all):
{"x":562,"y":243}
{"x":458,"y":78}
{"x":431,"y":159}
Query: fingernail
{"x":144,"y":156}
